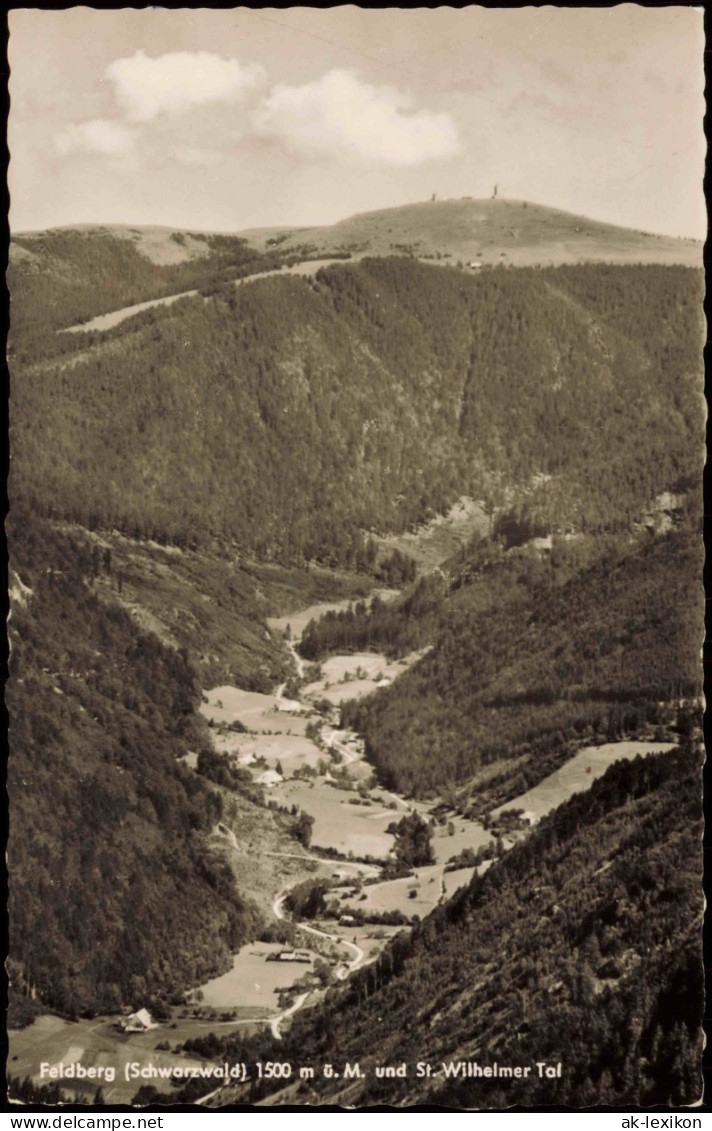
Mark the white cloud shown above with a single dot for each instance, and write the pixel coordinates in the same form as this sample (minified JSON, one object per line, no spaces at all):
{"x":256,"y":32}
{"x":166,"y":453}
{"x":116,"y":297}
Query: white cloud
{"x":339,"y":113}
{"x":97,"y":136}
{"x":178,"y":80}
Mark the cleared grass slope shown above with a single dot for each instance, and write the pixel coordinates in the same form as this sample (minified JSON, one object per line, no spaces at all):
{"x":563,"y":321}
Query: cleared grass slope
{"x":487,"y":231}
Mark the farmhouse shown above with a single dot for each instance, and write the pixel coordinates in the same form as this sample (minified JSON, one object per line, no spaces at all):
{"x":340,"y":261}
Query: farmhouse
{"x":270,"y":778}
{"x":291,"y":956}
{"x":139,"y":1022}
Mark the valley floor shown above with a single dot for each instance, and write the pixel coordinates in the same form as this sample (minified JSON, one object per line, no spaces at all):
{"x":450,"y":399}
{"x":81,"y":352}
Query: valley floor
{"x":324,"y":774}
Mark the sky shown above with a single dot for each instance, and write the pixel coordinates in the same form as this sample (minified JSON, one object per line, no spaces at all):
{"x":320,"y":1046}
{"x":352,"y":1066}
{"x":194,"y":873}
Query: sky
{"x":207,"y":119}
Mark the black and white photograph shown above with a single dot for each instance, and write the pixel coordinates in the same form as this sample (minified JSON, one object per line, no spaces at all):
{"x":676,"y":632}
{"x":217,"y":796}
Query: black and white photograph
{"x":357,"y":432}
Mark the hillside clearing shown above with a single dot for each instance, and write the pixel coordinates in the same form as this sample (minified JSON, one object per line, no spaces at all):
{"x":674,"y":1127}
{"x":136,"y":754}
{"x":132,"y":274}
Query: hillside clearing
{"x":253,"y":981}
{"x":576,"y":776}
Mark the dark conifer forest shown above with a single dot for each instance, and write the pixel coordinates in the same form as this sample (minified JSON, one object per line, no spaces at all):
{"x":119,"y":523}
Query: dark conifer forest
{"x":115,"y":895}
{"x":297,"y":414}
{"x":532,"y":659}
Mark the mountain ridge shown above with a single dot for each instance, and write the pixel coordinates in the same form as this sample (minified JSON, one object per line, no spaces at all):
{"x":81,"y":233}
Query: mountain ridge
{"x":523,"y":232}
{"x":488,"y":231}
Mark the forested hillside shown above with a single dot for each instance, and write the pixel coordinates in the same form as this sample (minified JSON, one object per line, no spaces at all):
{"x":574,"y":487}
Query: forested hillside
{"x":534,"y":658}
{"x":115,"y":896}
{"x":294,"y":414}
{"x":180,"y":477}
{"x":64,"y":276}
{"x":68,"y":275}
{"x":393,"y":627}
{"x":581,"y":946}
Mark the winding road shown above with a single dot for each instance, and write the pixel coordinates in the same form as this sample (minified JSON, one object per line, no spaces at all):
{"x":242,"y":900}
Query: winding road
{"x":333,"y":743}
{"x":357,"y":865}
{"x":113,"y":317}
{"x":359,"y":955}
{"x":276,"y":1021}
{"x":290,"y":704}
{"x":222,"y":830}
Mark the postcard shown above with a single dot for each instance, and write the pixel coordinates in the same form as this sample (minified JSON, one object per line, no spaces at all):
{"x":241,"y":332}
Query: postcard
{"x":357,"y":433}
